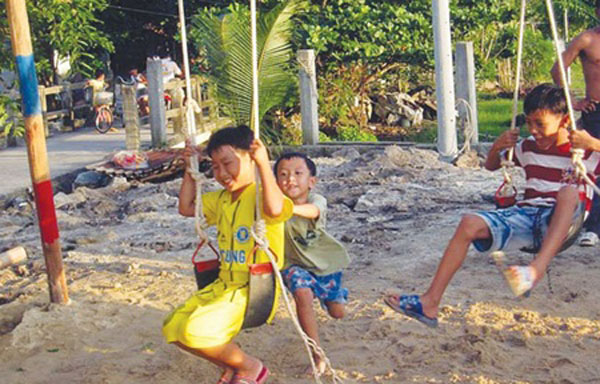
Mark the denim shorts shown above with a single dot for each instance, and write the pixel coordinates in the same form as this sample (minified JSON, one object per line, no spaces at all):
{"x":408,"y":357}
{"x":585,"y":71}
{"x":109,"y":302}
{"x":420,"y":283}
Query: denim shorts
{"x":326,"y":288}
{"x":514,"y":228}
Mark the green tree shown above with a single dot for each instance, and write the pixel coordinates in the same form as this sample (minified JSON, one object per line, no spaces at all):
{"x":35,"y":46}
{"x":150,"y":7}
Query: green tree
{"x":227,"y":40}
{"x":71,"y":27}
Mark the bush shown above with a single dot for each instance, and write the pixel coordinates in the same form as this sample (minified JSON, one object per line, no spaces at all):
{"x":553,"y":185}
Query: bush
{"x":354,"y":133}
{"x":11,"y":122}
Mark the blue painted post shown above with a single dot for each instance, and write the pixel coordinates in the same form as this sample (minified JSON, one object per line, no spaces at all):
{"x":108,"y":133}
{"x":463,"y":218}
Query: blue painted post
{"x":36,"y":149}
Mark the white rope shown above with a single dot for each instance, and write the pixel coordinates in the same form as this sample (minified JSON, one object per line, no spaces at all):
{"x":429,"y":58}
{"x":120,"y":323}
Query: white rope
{"x":513,"y":121}
{"x":561,"y":64}
{"x":259,"y":229}
{"x":468,"y":131}
{"x":577,"y":154}
{"x":200,"y":223}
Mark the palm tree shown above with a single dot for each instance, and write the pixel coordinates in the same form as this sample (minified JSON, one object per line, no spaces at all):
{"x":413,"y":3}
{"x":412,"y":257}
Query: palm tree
{"x":227,"y":41}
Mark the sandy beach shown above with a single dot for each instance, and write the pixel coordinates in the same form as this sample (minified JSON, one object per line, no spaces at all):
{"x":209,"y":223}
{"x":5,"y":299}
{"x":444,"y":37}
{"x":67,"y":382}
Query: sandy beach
{"x":127,"y":255}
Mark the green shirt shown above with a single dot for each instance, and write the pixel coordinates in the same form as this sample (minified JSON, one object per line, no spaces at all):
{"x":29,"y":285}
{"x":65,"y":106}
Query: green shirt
{"x":309,"y":246}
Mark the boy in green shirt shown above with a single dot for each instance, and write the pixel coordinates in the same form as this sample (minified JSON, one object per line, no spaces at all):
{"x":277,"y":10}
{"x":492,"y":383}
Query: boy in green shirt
{"x":314,"y":259}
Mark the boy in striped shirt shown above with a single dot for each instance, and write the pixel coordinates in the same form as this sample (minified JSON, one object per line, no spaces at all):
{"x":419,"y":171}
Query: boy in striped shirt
{"x":544,"y":215}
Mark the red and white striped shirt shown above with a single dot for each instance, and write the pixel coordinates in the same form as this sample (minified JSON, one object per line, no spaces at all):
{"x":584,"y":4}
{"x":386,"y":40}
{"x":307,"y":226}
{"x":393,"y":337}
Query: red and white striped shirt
{"x":548,"y":170}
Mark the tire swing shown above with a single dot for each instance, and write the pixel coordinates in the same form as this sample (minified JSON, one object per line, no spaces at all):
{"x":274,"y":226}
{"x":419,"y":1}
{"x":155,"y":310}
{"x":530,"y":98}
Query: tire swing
{"x":506,"y":194}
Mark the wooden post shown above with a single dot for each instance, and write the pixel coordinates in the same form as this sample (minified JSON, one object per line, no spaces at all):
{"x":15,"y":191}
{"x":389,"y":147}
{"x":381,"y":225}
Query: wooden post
{"x":179,"y":121}
{"x":131,"y":117}
{"x":465,"y":87}
{"x":12,"y":256}
{"x":156,"y":99}
{"x":36,"y":149}
{"x":199,"y":98}
{"x":309,"y":97}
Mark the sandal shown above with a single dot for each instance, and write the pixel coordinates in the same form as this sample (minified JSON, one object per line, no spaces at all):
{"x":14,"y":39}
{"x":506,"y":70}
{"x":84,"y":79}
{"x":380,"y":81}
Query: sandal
{"x":411,"y":306}
{"x":224,"y":379}
{"x":260,"y":379}
{"x":520,"y":279}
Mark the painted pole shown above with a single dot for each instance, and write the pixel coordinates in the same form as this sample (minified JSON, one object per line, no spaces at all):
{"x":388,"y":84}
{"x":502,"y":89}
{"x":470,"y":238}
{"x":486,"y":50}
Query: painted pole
{"x":444,"y":79}
{"x":36,"y":149}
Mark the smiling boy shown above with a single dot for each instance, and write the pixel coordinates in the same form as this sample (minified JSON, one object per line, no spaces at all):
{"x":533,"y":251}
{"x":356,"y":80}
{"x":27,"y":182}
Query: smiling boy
{"x":544,"y":215}
{"x":314,"y":259}
{"x":207,"y":322}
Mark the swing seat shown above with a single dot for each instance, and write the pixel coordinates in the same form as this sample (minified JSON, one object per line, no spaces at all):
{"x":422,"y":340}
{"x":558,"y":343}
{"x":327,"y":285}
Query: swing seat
{"x":261,"y":295}
{"x":206,"y":271}
{"x":572,"y":234}
{"x":261,"y":286}
{"x":505,"y":196}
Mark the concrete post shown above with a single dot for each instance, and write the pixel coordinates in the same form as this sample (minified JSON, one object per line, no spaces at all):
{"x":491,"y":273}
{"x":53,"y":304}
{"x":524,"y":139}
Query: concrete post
{"x":158,"y":125}
{"x":444,"y":79}
{"x":309,"y":97}
{"x":465,"y":87}
{"x":131,"y":117}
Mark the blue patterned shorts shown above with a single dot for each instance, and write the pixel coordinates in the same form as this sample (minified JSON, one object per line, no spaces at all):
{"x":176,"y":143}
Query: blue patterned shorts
{"x":326,"y":288}
{"x":516,"y":227}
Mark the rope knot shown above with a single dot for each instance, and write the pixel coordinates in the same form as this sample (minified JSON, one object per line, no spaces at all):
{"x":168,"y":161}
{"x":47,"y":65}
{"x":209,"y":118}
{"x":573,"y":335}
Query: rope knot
{"x":259,"y":232}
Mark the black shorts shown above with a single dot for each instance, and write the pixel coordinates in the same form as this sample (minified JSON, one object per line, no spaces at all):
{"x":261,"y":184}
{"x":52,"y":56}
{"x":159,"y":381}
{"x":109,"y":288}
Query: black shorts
{"x":591,"y":121}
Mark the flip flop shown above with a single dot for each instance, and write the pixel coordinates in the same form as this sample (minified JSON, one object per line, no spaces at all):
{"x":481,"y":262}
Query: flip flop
{"x":411,"y":306}
{"x":260,"y":379}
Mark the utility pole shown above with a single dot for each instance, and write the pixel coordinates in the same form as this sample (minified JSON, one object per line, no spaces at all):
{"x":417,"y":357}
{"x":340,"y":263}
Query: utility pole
{"x":36,"y":149}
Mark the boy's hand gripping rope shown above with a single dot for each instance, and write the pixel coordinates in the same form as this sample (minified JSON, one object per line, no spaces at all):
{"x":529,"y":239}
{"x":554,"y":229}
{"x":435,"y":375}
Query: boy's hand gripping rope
{"x":577,"y":154}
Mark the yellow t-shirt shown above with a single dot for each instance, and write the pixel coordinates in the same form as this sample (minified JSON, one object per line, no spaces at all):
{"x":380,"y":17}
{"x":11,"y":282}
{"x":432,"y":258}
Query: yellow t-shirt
{"x":213,"y":315}
{"x":234,"y":220}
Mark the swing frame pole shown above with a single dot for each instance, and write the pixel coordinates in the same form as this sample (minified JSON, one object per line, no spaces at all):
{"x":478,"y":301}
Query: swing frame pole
{"x":36,"y":149}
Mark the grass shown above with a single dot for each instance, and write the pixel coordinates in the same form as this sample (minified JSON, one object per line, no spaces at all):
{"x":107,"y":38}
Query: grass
{"x":494,"y":113}
{"x":494,"y":116}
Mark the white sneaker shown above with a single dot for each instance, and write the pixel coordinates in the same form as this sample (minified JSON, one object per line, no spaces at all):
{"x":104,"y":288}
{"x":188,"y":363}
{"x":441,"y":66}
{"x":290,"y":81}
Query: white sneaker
{"x":588,"y":239}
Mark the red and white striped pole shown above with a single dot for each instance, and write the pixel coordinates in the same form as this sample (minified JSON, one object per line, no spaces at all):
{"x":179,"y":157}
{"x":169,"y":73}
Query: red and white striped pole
{"x":36,"y":149}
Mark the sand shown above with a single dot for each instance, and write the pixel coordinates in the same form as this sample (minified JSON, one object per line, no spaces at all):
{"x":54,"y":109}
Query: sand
{"x":127,"y":256}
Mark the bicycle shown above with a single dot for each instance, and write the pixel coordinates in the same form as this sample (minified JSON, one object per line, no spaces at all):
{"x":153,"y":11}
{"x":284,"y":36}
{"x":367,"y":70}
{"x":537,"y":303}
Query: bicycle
{"x":103,"y":116}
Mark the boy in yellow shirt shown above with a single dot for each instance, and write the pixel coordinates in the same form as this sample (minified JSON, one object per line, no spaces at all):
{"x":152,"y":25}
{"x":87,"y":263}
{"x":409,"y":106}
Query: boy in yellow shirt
{"x":314,"y":259}
{"x":207,"y":322}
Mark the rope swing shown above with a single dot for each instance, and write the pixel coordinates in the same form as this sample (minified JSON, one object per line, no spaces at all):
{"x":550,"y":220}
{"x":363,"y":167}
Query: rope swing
{"x":261,"y":284}
{"x":506,"y":194}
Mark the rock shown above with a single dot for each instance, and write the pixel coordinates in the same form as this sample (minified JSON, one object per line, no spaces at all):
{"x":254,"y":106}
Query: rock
{"x":68,"y":201}
{"x":346,"y":153}
{"x":91,"y":179}
{"x":468,"y":160}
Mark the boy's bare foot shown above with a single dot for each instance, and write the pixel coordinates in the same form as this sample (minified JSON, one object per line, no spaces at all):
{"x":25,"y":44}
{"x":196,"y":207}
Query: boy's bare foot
{"x":255,"y":370}
{"x":319,"y":364}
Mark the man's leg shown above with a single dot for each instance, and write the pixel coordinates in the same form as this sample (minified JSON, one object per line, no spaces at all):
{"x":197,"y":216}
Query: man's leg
{"x":592,"y":224}
{"x":471,"y":228}
{"x":562,"y":218}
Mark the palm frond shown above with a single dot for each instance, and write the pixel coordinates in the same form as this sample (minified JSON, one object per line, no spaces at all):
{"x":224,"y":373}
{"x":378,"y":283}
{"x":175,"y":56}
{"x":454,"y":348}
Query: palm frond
{"x":228,"y":46}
